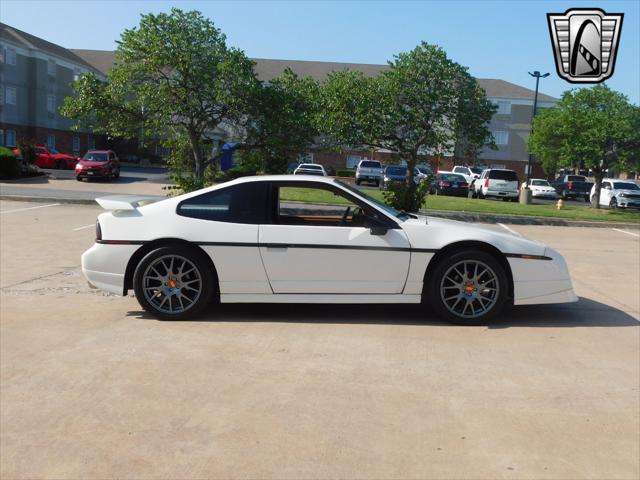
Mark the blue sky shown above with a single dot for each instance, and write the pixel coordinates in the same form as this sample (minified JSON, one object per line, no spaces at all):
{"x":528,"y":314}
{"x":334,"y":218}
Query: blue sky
{"x":495,"y":39}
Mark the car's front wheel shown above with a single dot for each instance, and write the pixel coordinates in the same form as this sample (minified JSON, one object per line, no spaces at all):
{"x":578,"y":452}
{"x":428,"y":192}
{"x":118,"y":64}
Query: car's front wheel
{"x":468,"y":287}
{"x":613,"y":203}
{"x":173,"y":283}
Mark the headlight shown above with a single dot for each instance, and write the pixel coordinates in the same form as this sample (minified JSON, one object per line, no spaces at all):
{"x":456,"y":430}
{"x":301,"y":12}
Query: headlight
{"x":622,"y":195}
{"x":78,"y":166}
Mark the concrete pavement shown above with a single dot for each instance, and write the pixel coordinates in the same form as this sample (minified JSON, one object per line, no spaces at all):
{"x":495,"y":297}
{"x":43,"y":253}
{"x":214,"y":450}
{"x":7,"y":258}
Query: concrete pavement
{"x":91,"y":387}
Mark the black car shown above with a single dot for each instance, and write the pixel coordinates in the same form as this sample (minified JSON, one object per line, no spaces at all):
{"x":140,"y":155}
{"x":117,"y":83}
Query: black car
{"x":452,"y":184}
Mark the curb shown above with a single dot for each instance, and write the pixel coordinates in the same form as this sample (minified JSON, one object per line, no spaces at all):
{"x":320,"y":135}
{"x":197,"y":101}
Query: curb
{"x":447,"y":214}
{"x":524,"y":219}
{"x":21,"y":198}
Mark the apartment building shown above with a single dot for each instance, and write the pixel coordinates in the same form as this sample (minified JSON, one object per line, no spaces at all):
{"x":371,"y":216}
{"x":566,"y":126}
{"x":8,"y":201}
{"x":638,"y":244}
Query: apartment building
{"x":35,"y":78}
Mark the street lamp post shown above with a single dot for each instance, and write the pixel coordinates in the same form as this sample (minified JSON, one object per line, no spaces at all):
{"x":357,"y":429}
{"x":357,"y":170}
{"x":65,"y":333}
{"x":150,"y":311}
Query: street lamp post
{"x":538,"y":76}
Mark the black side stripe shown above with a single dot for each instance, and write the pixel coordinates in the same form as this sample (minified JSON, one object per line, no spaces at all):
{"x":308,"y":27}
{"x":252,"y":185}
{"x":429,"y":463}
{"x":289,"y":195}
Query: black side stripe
{"x":311,"y":245}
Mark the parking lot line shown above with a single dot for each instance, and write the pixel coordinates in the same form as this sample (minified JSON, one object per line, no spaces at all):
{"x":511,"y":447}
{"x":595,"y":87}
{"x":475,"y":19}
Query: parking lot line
{"x":29,"y":208}
{"x":628,"y":233}
{"x":83,"y":227}
{"x":510,"y":230}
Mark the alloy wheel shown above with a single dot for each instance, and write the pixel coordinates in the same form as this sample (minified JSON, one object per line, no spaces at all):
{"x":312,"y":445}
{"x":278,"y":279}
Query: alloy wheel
{"x":172,"y":284}
{"x":469,"y":289}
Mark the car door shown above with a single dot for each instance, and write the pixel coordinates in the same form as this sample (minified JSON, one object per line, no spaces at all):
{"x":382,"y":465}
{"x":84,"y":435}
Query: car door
{"x":309,"y":249}
{"x":605,"y":193}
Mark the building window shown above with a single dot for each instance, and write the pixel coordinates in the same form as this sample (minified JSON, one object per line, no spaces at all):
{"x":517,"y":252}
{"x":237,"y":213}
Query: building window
{"x":76,"y":144}
{"x":51,"y":103}
{"x":51,"y":141}
{"x":501,"y":137}
{"x":353,"y":160}
{"x":10,"y":96}
{"x":1,"y":137}
{"x":10,"y":140}
{"x":91,"y":143}
{"x":10,"y":56}
{"x":1,"y":96}
{"x":51,"y":67}
{"x":76,"y":74}
{"x":504,"y":107}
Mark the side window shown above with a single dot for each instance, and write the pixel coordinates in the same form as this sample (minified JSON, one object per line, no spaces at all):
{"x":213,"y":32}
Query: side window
{"x":326,"y":208}
{"x":243,"y":203}
{"x":607,"y":185}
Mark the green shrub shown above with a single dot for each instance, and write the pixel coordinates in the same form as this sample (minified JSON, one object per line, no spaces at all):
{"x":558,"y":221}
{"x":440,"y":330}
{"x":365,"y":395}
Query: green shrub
{"x":397,"y":194}
{"x":9,"y":164}
{"x":345,"y":172}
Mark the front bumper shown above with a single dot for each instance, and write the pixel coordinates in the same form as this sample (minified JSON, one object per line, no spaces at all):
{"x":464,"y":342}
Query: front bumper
{"x":624,"y":202}
{"x":92,"y":174}
{"x":542,"y":281}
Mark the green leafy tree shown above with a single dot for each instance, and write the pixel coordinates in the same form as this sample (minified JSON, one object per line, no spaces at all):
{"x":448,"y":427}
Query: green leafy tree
{"x":421,"y":105}
{"x":176,"y":79}
{"x":595,"y":128}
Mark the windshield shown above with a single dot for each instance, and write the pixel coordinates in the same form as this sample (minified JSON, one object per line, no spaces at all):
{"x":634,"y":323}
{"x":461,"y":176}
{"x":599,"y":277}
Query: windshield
{"x":311,"y":166}
{"x":540,"y":183}
{"x":396,"y":171}
{"x":425,"y":170}
{"x":375,"y":201}
{"x":54,"y":151}
{"x":477,"y":170}
{"x":625,"y":186}
{"x":370,"y":164}
{"x":576,"y":178}
{"x":95,"y":157}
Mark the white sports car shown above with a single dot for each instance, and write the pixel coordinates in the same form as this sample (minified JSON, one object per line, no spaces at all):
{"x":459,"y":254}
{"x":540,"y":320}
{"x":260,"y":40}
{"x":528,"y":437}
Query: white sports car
{"x":244,"y":241}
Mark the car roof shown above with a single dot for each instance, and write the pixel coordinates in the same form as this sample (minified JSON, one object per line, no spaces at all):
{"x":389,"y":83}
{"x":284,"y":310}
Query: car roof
{"x":98,"y":151}
{"x":309,"y":164}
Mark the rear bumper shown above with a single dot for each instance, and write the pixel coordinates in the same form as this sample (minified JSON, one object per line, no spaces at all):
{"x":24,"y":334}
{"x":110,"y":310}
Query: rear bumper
{"x":501,"y":193}
{"x":104,"y":266}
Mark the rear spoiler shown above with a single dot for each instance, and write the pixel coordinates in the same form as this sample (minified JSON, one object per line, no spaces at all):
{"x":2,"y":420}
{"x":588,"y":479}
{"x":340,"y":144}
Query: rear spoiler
{"x":126,"y":202}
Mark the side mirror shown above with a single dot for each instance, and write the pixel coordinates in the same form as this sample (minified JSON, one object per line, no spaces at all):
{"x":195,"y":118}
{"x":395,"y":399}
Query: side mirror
{"x":376,"y":227}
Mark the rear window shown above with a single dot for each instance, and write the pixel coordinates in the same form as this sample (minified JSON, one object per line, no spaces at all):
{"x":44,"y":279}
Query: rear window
{"x":540,"y":183}
{"x":476,"y":170}
{"x":507,"y":175}
{"x":311,"y":166}
{"x":370,"y":164}
{"x":576,"y":178}
{"x":452,"y":177}
{"x":396,"y":170}
{"x":244,"y":203}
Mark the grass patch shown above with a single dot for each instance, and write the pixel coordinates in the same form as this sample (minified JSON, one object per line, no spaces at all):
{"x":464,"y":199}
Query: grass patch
{"x":571,"y":211}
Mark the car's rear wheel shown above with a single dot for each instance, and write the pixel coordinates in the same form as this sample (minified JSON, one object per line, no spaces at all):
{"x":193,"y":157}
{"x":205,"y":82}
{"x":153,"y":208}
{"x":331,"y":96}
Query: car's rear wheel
{"x":173,"y":283}
{"x":468,"y":287}
{"x":61,"y":164}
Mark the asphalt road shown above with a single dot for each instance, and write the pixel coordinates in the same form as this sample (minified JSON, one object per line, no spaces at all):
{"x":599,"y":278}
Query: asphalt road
{"x":92,"y":387}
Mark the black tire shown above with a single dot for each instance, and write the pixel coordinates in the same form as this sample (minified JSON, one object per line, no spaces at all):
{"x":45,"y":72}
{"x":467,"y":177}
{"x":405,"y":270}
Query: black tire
{"x":564,"y":195}
{"x":613,"y":204}
{"x":61,"y":165}
{"x":357,"y":182}
{"x":586,"y":198}
{"x":506,"y":199}
{"x":79,"y":179}
{"x":116,"y":174}
{"x":200,"y":262}
{"x":481,"y":195}
{"x":432,"y":287}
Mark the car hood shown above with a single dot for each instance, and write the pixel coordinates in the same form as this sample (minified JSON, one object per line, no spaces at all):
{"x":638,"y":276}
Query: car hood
{"x":87,"y":163}
{"x":437,"y":233}
{"x":627,"y":192}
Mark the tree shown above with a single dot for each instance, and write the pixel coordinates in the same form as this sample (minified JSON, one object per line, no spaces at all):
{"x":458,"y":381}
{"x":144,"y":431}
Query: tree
{"x":595,"y":128}
{"x":176,"y":79}
{"x":419,"y":106}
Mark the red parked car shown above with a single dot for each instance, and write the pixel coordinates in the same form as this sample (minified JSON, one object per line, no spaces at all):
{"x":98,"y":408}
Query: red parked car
{"x":51,"y":158}
{"x":98,"y":164}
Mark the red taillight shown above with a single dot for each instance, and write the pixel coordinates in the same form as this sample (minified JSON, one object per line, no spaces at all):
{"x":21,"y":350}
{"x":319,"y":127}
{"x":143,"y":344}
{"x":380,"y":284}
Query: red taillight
{"x":98,"y":231}
{"x":570,"y":185}
{"x":444,"y":184}
{"x":486,"y":182}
